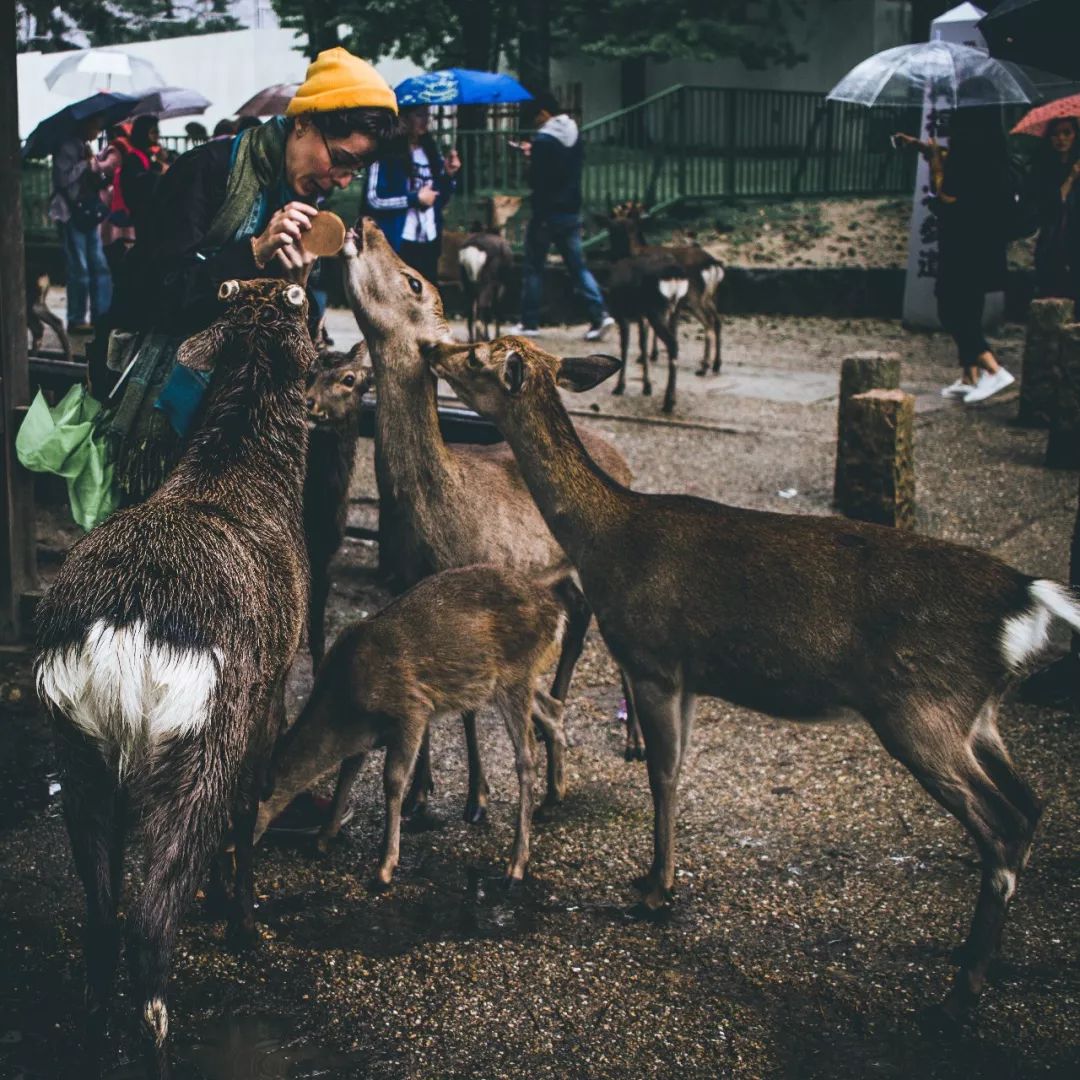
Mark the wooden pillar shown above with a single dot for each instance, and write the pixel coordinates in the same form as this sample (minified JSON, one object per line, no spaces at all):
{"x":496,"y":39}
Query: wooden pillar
{"x":1038,"y":381}
{"x":1063,"y":444}
{"x":858,"y":373}
{"x":878,"y":466}
{"x":18,"y":569}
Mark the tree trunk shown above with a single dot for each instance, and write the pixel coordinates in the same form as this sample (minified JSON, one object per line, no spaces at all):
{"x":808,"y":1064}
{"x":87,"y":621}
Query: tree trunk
{"x":534,"y":44}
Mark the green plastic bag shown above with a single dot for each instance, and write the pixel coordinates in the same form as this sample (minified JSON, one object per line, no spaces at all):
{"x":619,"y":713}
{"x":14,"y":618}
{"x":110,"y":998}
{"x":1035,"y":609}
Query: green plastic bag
{"x":65,"y":440}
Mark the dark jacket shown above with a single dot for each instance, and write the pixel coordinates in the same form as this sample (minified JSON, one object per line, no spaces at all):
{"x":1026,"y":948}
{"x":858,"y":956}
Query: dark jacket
{"x":1057,"y":250}
{"x":169,"y":281}
{"x":555,"y":164}
{"x":388,"y":196}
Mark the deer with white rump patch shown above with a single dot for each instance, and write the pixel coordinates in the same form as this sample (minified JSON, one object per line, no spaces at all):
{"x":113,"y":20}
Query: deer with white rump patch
{"x":485,"y":259}
{"x":790,"y":615}
{"x":164,"y":646}
{"x":454,"y":643}
{"x":444,"y":506}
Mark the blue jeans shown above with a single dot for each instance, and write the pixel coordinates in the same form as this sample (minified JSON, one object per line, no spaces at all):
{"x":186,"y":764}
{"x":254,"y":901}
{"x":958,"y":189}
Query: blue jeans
{"x":564,"y":231}
{"x":88,"y":274}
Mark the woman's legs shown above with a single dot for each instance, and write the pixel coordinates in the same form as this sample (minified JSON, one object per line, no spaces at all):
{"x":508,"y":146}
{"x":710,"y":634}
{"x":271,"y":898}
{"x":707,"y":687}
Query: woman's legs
{"x":78,"y":273}
{"x":960,"y":309}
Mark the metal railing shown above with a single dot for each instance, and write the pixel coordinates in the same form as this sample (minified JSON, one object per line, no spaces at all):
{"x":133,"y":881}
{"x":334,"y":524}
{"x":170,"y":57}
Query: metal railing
{"x":683,"y":144}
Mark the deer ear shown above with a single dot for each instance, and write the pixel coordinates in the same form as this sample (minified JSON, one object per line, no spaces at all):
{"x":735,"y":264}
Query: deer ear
{"x":580,"y":373}
{"x":513,"y":372}
{"x":200,"y":351}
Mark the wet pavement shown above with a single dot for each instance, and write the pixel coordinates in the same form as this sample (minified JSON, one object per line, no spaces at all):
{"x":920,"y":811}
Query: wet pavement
{"x":819,"y":889}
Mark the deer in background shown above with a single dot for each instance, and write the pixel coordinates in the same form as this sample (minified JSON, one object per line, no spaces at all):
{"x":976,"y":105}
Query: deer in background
{"x":485,"y":260}
{"x":335,"y":388}
{"x":704,"y":276}
{"x":454,"y":643}
{"x":38,"y":315}
{"x":444,"y":506}
{"x":164,"y":646}
{"x":791,"y":615}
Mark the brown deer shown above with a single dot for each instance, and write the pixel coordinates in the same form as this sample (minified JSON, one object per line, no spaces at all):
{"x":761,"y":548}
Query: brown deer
{"x":164,"y":646}
{"x":704,"y":276}
{"x":335,"y":388}
{"x":454,"y":643}
{"x":38,"y":314}
{"x":446,"y":506}
{"x":791,"y":615}
{"x":485,"y":260}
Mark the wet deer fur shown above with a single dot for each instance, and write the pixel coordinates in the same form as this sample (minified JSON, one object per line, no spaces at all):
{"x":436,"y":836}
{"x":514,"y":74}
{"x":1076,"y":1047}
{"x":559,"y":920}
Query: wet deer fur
{"x":335,"y":387}
{"x":456,"y":642}
{"x":788,"y":614}
{"x":443,"y":506}
{"x":164,"y":644}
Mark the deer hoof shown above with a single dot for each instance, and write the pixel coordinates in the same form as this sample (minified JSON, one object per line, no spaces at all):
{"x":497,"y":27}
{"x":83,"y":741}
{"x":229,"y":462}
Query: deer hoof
{"x":617,"y":391}
{"x":377,"y":886}
{"x":646,"y":390}
{"x":475,"y":814}
{"x":242,"y":938}
{"x":702,"y":371}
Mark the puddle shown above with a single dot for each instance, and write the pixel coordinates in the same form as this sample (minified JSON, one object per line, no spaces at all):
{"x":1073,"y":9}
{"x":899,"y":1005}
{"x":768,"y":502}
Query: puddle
{"x":426,"y":908}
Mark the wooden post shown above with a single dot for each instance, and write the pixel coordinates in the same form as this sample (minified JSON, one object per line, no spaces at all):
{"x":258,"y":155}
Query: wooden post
{"x":858,"y":373}
{"x":1063,"y":444}
{"x":1038,"y":382}
{"x":878,"y":451}
{"x":18,"y":569}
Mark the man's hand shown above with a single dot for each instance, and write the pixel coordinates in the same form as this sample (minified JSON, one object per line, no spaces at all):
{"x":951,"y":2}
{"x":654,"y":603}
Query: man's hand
{"x":283,"y":231}
{"x":427,"y":195}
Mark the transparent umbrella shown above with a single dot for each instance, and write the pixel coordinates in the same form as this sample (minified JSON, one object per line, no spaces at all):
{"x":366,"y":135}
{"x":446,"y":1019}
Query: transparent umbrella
{"x":954,"y":76}
{"x":89,"y":70}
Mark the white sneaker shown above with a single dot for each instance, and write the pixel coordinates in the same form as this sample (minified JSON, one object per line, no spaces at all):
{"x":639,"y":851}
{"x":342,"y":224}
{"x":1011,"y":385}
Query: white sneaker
{"x":988,"y":385}
{"x":958,"y":389}
{"x":597,"y":332}
{"x":521,"y":330}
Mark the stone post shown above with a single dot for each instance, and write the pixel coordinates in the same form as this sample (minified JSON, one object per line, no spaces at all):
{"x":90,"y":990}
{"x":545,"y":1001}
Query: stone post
{"x":1038,"y":382}
{"x":1063,"y":445}
{"x":876,"y":458}
{"x":858,"y":373}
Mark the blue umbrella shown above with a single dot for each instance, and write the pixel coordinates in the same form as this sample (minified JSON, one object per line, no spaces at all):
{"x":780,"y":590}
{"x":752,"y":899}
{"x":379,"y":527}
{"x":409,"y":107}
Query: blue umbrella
{"x":460,"y":86}
{"x":53,"y":130}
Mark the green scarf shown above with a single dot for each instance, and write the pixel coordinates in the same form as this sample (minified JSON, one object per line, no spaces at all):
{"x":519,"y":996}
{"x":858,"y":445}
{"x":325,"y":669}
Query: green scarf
{"x":257,"y":171}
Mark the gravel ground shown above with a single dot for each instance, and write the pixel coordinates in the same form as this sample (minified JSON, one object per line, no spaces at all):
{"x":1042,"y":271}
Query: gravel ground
{"x":819,"y":889}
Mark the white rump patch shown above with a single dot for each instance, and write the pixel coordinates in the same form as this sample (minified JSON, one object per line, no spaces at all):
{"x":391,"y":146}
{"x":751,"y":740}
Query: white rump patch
{"x":1025,"y":636}
{"x":674,"y":288}
{"x":472,"y":261}
{"x":712,"y":276}
{"x":128,"y":691}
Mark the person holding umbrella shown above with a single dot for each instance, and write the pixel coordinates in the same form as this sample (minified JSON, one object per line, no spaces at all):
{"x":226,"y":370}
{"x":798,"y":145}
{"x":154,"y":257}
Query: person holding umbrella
{"x":76,"y":207}
{"x":1054,"y":194}
{"x":408,"y":190}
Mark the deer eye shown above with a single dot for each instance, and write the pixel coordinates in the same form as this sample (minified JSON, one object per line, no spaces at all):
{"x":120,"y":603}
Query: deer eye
{"x":414,"y":284}
{"x":474,"y":361}
{"x":349,"y":380}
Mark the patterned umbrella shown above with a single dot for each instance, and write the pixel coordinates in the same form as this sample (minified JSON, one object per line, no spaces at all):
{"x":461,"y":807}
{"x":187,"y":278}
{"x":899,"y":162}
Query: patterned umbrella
{"x":1036,"y":121}
{"x":460,"y":86}
{"x":270,"y":101}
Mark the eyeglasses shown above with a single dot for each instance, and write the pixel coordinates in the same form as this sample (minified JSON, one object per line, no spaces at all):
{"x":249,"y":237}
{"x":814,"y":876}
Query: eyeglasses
{"x":343,"y":164}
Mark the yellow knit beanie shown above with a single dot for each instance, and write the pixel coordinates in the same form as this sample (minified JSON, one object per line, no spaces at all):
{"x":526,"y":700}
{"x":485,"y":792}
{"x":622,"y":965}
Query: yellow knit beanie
{"x":338,"y":80}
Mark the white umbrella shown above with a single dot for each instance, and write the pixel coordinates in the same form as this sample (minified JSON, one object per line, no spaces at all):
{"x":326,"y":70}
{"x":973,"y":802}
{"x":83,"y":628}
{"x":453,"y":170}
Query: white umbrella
{"x":83,"y":73}
{"x":955,"y":76}
{"x":171,"y":101}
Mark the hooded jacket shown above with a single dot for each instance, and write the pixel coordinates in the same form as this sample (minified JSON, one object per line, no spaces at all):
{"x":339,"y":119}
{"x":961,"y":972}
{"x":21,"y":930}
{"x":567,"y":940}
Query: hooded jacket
{"x":555,"y":165}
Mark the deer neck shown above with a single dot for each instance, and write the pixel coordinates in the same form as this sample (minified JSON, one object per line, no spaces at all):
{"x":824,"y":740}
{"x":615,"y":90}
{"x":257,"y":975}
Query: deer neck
{"x":410,"y":454}
{"x":583,"y":507}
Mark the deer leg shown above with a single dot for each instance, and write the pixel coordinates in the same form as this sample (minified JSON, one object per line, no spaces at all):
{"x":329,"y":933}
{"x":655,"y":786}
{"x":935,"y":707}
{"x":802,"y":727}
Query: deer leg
{"x":400,"y":754}
{"x":624,"y":350}
{"x":56,"y":324}
{"x":635,"y":741}
{"x":659,"y":711}
{"x":95,"y":812}
{"x":350,"y":770}
{"x":718,"y":325}
{"x":240,"y":932}
{"x":671,"y":344}
{"x":973,"y":778}
{"x":476,"y":803}
{"x":516,"y":709}
{"x":35,"y":326}
{"x":185,"y":812}
{"x":320,"y":590}
{"x":697,"y":306}
{"x":416,"y":800}
{"x":643,"y":358}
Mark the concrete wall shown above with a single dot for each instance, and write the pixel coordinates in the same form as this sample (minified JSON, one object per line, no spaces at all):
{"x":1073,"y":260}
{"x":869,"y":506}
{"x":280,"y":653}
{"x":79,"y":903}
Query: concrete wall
{"x":227,"y":68}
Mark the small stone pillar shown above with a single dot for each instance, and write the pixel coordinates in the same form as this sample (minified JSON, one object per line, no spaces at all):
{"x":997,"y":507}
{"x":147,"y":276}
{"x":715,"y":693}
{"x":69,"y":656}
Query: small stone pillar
{"x":1063,"y":445}
{"x":875,"y":458}
{"x":1038,"y":381}
{"x":858,"y":373}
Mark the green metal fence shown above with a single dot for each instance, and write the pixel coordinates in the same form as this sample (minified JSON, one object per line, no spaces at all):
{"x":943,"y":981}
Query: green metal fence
{"x":686,"y":143}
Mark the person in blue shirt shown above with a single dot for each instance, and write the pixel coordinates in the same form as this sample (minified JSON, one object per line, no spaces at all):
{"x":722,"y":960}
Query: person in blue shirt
{"x":407,"y":191}
{"x":556,"y":157}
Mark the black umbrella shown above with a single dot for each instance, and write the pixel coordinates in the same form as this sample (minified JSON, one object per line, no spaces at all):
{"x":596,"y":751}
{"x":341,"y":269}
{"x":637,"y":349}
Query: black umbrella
{"x":53,"y":130}
{"x":1041,"y":33}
